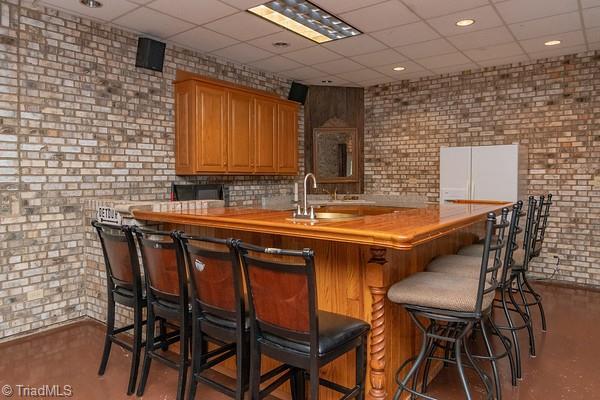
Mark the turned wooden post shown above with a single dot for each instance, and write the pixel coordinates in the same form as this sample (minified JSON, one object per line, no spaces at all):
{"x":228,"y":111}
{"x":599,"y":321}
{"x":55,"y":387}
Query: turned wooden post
{"x":375,"y":270}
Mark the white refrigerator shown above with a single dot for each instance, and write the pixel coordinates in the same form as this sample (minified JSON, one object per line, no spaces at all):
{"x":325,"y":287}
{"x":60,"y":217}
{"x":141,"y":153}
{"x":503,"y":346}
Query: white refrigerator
{"x":483,"y":172}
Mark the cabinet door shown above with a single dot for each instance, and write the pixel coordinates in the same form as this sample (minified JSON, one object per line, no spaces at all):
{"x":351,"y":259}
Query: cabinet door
{"x":240,"y":132}
{"x":266,"y":135}
{"x":495,"y":173}
{"x":185,"y":121}
{"x":287,"y":135}
{"x":211,"y":145}
{"x":455,"y":173}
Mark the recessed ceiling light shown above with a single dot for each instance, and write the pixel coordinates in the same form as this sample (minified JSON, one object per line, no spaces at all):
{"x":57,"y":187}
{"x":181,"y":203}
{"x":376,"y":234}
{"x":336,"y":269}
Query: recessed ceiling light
{"x":326,"y":81}
{"x":465,"y":22}
{"x":306,"y":19}
{"x":399,"y":68}
{"x":91,"y":3}
{"x":281,"y":45}
{"x":552,"y":42}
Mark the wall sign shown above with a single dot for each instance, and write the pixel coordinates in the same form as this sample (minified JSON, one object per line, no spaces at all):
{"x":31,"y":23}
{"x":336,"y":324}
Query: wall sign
{"x":108,"y":215}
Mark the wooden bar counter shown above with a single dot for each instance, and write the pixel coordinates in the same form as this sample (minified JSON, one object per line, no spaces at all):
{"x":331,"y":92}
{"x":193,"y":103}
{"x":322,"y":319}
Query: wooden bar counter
{"x":357,"y":260}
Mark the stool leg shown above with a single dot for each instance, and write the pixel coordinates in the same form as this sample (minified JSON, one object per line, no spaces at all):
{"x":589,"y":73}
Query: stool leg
{"x":162,"y":326}
{"x":538,"y":299}
{"x":513,"y":332}
{"x":298,"y":384}
{"x":197,"y":355}
{"x":525,"y":315}
{"x":415,"y":366}
{"x":314,"y":380}
{"x":461,"y":372}
{"x":361,"y":367}
{"x":490,"y":352}
{"x":484,"y":378}
{"x":507,"y":348}
{"x":255,"y":361}
{"x":184,"y":346}
{"x":110,"y":327}
{"x":137,"y":348}
{"x":149,"y":347}
{"x":241,"y":357}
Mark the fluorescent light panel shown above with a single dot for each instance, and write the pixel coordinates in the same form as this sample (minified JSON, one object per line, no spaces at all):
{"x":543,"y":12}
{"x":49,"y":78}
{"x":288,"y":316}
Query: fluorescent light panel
{"x":306,"y":19}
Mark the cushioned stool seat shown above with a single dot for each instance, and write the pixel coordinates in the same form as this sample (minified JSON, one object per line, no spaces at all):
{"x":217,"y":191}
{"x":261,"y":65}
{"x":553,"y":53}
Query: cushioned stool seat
{"x":476,"y":250}
{"x":465,"y":266}
{"x":441,"y":291}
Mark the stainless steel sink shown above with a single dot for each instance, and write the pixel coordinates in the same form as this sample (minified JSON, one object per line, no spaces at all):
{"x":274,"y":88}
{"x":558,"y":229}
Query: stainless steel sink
{"x":336,"y":215}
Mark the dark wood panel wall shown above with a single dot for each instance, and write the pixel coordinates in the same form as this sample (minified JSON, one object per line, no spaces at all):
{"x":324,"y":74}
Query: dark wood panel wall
{"x":341,"y":107}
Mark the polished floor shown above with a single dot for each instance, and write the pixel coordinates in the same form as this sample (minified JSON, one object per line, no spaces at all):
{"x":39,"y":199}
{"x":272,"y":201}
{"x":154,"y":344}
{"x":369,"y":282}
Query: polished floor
{"x":567,"y":365}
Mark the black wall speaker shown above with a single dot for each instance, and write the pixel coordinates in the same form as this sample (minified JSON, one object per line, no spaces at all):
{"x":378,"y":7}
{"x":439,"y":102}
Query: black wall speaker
{"x":150,"y":54}
{"x":298,"y":92}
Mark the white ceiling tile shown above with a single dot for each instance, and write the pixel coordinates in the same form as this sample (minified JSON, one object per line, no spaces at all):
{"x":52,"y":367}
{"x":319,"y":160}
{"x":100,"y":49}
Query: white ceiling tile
{"x":495,"y":62}
{"x":203,"y":39}
{"x":494,"y":51}
{"x":243,"y":4}
{"x":406,"y":34}
{"x":485,"y":17}
{"x":443,"y":60}
{"x":194,"y":11}
{"x":243,"y":26}
{"x":142,"y":2}
{"x":412,"y":76}
{"x":341,"y":6}
{"x":591,"y":17}
{"x":547,"y":26}
{"x":590,"y":3}
{"x":456,"y":68}
{"x":355,"y":45}
{"x":304,"y":73}
{"x":594,"y":46}
{"x":152,"y":23}
{"x":338,"y":66}
{"x":242,"y":53}
{"x":427,"y":49}
{"x":382,"y":57}
{"x":411,"y":68}
{"x":111,"y":9}
{"x":296,"y":42}
{"x":523,"y":10}
{"x":380,"y":16}
{"x":312,"y":55}
{"x":361,"y":75}
{"x":568,"y":39}
{"x":276,"y":64}
{"x":435,"y":8}
{"x":486,"y":37}
{"x":593,"y":35}
{"x":557,"y":52}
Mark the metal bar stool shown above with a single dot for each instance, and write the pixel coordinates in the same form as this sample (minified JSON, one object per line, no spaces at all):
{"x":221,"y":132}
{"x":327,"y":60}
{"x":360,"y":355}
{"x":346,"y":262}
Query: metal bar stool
{"x":286,"y":324}
{"x":218,"y":311}
{"x":167,"y":298}
{"x":452,"y":305}
{"x":124,"y":286}
{"x":468,"y":267}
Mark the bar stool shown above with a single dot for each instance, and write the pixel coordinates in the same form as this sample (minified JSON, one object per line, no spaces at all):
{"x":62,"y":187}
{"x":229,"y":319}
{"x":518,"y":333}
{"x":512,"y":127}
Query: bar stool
{"x":452,"y":305}
{"x":461,"y":265}
{"x":167,"y":298}
{"x":124,"y":287}
{"x":286,"y":324}
{"x":218,"y":311}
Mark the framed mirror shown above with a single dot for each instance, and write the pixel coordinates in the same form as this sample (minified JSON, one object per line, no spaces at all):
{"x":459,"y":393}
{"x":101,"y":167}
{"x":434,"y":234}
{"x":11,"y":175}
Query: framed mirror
{"x":335,"y":155}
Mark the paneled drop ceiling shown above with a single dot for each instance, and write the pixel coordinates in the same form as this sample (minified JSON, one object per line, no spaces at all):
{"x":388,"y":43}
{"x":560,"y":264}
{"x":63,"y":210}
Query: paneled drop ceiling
{"x":419,"y":35}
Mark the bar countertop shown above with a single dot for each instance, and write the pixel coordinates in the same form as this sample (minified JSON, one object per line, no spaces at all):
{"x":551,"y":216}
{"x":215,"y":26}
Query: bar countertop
{"x":397,"y":228}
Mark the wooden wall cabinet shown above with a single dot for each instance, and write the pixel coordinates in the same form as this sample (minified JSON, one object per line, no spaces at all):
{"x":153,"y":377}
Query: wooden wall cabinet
{"x":225,"y":129}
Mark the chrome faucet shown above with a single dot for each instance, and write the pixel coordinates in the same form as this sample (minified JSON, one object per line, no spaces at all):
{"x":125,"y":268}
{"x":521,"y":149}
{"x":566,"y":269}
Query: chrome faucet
{"x":305,"y":213}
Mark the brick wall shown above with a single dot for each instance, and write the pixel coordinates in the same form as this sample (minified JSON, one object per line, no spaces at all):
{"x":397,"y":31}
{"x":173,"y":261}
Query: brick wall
{"x":551,"y":105}
{"x":77,"y":122}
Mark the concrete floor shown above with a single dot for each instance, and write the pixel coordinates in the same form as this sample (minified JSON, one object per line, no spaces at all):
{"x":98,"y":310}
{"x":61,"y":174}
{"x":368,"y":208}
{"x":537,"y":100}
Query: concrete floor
{"x":567,"y":365}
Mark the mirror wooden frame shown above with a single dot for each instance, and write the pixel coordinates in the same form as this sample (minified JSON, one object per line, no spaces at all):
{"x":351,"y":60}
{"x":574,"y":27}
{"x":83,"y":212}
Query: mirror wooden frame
{"x":354,"y":134}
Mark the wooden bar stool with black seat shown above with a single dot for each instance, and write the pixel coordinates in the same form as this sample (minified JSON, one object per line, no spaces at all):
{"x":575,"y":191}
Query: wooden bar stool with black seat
{"x":124,"y":284}
{"x":218,"y":311}
{"x":167,"y":298}
{"x":452,"y":305}
{"x":286,"y":324}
